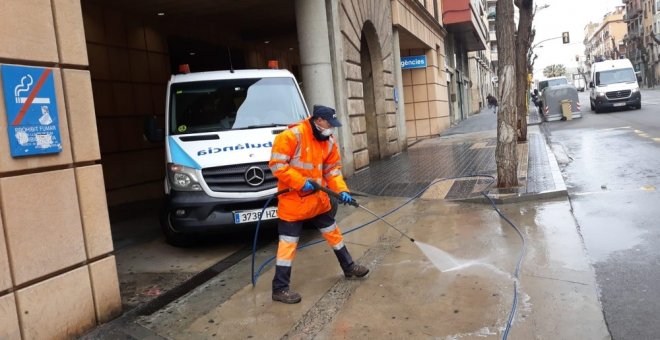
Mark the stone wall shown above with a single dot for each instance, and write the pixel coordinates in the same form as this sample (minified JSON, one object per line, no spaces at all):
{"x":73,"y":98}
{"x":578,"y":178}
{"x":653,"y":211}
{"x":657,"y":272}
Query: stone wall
{"x":57,"y":277}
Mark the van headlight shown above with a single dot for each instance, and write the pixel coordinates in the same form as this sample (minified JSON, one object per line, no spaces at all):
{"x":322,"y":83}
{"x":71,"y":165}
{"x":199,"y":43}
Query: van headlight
{"x":600,"y":94}
{"x":183,"y":178}
{"x":636,"y":89}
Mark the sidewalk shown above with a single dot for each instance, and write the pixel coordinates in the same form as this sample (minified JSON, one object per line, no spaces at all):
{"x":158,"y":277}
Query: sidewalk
{"x":462,"y":289}
{"x":467,"y":149}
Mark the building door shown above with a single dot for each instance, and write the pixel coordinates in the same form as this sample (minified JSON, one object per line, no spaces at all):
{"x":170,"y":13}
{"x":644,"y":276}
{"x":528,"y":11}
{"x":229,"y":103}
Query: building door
{"x":371,"y":63}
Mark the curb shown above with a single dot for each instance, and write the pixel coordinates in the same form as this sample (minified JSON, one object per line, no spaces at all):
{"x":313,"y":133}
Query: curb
{"x":559,"y":191}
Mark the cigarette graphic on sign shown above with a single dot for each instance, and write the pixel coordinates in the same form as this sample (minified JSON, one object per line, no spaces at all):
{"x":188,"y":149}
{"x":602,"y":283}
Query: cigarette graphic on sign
{"x":24,"y":88}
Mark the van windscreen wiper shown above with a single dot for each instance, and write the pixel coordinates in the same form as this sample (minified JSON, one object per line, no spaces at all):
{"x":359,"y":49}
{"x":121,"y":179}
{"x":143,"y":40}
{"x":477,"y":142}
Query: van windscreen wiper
{"x":261,"y":126}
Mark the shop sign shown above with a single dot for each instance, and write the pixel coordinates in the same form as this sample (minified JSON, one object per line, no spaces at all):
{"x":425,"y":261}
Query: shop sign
{"x":418,"y":61}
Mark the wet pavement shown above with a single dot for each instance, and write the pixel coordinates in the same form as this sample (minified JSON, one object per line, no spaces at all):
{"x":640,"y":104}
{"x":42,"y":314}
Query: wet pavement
{"x":612,"y":175}
{"x":454,"y":282}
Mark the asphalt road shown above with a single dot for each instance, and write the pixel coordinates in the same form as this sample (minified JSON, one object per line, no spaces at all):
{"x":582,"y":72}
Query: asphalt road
{"x":613,"y":177}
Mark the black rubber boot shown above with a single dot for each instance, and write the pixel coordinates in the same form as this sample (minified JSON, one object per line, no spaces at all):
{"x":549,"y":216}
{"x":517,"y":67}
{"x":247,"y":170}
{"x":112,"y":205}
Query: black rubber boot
{"x":287,"y":296}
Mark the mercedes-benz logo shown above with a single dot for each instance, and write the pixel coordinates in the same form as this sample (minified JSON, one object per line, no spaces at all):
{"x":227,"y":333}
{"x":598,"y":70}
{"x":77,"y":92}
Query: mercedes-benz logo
{"x":254,"y":176}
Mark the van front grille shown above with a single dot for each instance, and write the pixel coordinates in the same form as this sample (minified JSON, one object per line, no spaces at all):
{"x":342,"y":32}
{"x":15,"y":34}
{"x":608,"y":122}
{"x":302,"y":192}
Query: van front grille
{"x":250,"y":177}
{"x":618,"y":94}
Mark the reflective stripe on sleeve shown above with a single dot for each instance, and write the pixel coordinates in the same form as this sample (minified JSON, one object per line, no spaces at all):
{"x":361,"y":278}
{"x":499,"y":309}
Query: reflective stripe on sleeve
{"x":280,"y":156}
{"x":298,"y":164}
{"x":330,"y":166}
{"x":335,"y":172}
{"x":277,"y":166}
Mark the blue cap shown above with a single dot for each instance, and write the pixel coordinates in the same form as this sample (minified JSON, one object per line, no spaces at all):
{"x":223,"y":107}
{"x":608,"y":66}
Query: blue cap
{"x":326,"y":113}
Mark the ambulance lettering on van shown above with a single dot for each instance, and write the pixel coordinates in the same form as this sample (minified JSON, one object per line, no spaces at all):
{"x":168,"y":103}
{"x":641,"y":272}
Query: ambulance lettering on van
{"x":219,"y":131}
{"x":236,"y":147}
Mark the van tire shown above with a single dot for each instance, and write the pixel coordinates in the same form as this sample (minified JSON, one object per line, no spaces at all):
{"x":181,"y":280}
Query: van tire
{"x":172,"y":237}
{"x":597,"y":109}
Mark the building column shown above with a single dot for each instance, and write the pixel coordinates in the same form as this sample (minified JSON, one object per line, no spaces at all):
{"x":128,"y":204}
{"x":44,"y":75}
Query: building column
{"x":314,"y":45}
{"x":345,"y":135}
{"x":398,"y":80}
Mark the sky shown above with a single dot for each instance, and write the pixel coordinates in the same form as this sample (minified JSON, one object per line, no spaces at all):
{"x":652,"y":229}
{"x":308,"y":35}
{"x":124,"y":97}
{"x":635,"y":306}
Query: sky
{"x":565,"y":16}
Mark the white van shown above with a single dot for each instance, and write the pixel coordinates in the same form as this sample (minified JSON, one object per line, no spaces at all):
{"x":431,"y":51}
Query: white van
{"x":219,"y":130}
{"x":614,"y":84}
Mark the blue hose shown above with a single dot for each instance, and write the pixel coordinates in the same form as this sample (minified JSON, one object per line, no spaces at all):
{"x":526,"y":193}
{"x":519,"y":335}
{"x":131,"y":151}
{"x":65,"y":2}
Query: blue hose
{"x":516,"y":272}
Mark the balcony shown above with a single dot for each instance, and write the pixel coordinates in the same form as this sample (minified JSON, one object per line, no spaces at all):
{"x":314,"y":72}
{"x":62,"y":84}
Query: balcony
{"x":493,"y":56}
{"x":460,"y":18}
{"x":492,"y":36}
{"x":632,"y":15}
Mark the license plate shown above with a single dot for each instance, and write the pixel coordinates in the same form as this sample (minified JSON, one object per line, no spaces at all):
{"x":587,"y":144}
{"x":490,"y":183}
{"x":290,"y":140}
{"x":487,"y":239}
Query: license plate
{"x":246,"y":216}
{"x":619,"y":104}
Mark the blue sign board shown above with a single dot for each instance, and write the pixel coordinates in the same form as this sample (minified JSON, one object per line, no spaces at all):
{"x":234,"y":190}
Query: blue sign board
{"x":418,"y":61}
{"x":32,"y":120}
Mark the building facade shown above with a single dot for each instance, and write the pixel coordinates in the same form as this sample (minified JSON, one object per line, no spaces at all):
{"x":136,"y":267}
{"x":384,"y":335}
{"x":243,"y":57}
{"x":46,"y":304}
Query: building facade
{"x":110,"y":63}
{"x":635,"y":35}
{"x":465,"y":22}
{"x":605,"y":40}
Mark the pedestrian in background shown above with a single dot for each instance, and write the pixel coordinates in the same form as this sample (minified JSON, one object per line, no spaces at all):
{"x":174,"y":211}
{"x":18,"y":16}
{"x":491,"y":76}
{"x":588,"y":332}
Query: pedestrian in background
{"x":492,"y":102}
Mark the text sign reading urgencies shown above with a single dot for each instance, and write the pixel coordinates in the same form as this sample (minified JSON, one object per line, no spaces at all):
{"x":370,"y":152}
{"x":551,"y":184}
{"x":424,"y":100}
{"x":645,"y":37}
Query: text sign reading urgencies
{"x":32,"y":120}
{"x":418,"y":61}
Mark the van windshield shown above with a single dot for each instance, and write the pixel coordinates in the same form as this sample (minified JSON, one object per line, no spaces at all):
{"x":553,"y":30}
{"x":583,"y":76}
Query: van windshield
{"x":234,"y":104}
{"x":622,"y":75}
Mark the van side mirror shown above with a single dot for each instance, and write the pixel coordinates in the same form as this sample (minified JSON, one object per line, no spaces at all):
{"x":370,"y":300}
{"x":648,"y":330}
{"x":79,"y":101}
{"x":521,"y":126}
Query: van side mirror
{"x":153,"y":133}
{"x":591,"y":84}
{"x":639,"y":78}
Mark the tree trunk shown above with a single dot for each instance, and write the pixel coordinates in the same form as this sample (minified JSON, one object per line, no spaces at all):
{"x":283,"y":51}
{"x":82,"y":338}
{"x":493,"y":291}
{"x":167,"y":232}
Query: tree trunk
{"x":506,"y":152}
{"x":522,"y":46}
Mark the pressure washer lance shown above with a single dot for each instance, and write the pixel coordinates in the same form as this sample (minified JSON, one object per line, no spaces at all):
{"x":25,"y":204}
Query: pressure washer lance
{"x":354,"y":203}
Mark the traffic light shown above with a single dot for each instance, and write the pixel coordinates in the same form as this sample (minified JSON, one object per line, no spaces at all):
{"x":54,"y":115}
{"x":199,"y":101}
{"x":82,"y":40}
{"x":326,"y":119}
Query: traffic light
{"x":565,"y":38}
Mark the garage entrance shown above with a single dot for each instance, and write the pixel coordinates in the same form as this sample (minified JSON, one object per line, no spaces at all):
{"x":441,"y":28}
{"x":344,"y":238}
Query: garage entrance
{"x":133,"y":47}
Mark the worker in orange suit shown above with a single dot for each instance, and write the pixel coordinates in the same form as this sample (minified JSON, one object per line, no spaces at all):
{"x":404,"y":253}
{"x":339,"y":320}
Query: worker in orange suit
{"x":307,"y":152}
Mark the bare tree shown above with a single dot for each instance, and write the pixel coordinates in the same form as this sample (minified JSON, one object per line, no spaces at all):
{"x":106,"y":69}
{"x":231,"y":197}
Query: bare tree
{"x":523,"y":43}
{"x":506,"y":152}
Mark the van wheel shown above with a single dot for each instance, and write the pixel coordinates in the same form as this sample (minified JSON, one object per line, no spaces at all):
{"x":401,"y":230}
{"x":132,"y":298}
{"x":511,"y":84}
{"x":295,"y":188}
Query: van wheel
{"x":172,"y":237}
{"x":597,"y":109}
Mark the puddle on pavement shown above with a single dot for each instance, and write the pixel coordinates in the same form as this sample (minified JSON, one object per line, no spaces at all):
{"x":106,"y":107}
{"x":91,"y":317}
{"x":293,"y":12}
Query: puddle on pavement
{"x":447,"y":263}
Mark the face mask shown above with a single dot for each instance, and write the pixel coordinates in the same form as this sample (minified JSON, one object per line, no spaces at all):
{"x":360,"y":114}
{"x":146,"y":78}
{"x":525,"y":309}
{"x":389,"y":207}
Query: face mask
{"x":325,"y":132}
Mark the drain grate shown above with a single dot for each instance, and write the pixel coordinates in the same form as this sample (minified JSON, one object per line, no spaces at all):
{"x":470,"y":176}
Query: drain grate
{"x":461,"y":189}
